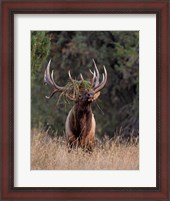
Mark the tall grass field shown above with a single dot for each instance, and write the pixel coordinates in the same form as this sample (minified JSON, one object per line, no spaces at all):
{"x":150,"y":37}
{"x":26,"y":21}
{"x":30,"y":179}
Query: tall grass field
{"x":52,"y":154}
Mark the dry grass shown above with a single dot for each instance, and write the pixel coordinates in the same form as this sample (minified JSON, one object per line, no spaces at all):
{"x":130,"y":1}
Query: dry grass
{"x":52,"y":154}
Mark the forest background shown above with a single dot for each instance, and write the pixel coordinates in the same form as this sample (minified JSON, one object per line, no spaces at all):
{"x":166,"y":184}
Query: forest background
{"x":117,"y":109}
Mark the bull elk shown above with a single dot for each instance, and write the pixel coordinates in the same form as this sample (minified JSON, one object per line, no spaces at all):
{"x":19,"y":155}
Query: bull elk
{"x":80,"y":124}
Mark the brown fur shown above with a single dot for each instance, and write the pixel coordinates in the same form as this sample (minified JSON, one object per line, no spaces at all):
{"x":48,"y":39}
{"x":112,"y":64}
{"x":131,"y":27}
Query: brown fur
{"x":80,"y":126}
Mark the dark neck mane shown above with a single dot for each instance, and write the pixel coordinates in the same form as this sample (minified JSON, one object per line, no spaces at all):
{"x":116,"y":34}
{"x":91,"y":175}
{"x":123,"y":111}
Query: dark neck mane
{"x":81,"y":119}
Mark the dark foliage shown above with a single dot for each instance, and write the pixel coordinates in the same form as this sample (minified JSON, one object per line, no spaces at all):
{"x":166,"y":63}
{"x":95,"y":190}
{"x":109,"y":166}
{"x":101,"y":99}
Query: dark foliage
{"x":118,"y":104}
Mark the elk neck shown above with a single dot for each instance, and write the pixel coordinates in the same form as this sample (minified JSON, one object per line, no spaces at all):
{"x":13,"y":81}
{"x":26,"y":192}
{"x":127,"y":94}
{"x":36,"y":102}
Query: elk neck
{"x":81,"y":119}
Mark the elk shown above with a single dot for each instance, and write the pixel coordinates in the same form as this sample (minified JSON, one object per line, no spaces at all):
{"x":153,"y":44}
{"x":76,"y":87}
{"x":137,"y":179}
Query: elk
{"x":80,"y":123}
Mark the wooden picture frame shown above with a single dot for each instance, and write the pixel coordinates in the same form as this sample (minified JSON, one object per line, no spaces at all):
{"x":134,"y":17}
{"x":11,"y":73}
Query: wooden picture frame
{"x":9,"y":9}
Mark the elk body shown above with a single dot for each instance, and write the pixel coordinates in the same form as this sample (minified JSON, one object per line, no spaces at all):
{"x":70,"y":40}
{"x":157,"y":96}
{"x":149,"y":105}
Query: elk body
{"x":80,"y":124}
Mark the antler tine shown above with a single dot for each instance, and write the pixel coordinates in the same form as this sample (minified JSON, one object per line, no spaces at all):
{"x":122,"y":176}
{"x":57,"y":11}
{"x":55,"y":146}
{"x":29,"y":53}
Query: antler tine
{"x":69,"y":74}
{"x":49,"y":79}
{"x":91,"y":71}
{"x":54,"y":84}
{"x":97,"y":74}
{"x":51,"y":95}
{"x":104,"y":80}
{"x":93,"y":79}
{"x":81,"y":76}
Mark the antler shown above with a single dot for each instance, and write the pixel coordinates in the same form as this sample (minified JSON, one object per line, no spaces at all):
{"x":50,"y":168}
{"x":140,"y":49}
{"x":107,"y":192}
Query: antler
{"x":97,"y":86}
{"x":95,"y":83}
{"x":49,"y":79}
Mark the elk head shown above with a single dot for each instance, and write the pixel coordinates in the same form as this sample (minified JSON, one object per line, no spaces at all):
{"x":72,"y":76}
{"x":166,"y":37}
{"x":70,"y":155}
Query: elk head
{"x":80,"y":123}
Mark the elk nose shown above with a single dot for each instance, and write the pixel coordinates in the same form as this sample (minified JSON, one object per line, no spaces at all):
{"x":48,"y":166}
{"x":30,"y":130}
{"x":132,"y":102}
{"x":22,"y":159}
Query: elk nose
{"x":90,"y":95}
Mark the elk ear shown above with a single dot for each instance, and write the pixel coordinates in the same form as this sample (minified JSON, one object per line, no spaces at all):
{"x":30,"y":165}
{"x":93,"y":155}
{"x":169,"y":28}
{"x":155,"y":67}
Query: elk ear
{"x":96,"y":95}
